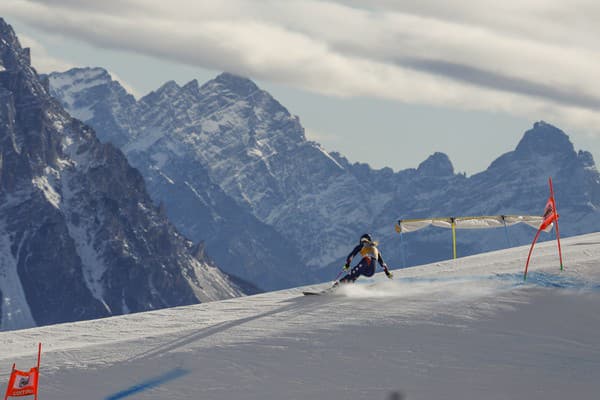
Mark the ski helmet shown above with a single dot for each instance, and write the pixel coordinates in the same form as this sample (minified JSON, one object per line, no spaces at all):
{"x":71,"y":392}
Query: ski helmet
{"x":366,"y":238}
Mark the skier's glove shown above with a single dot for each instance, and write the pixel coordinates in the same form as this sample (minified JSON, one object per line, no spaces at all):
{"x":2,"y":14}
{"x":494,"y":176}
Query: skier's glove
{"x":346,"y":267}
{"x":389,"y":274}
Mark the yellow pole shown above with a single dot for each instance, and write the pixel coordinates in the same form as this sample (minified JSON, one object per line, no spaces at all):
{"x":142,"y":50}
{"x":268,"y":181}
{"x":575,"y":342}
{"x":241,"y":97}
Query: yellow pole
{"x":454,"y":238}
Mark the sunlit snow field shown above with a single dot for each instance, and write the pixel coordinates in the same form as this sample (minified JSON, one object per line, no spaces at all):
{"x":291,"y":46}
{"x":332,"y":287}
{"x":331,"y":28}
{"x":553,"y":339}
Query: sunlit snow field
{"x":463,"y":329}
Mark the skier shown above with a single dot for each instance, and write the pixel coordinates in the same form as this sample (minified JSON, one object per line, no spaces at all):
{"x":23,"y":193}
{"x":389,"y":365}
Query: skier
{"x":370,"y":255}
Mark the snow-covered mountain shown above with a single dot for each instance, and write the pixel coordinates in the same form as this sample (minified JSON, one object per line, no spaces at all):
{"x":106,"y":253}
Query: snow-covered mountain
{"x":469,"y":329}
{"x":255,"y":151}
{"x":162,"y":135}
{"x":79,"y":236}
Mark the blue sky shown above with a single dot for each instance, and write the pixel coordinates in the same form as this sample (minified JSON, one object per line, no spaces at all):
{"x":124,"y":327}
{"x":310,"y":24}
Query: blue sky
{"x":387,"y":84}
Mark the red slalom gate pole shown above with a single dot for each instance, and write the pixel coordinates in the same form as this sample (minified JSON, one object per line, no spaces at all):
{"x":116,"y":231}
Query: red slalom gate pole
{"x":38,"y":370}
{"x":529,"y":255}
{"x":556,"y":222}
{"x":8,"y":387}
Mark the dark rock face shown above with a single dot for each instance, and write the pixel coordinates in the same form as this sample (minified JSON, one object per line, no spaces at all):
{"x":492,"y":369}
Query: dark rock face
{"x":544,"y":139}
{"x":228,"y":154}
{"x":437,"y":164}
{"x":79,"y":236}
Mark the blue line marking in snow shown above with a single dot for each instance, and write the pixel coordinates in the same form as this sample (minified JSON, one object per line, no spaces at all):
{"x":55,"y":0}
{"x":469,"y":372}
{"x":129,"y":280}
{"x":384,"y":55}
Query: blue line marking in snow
{"x":542,"y":279}
{"x":149,"y":384}
{"x":549,"y":280}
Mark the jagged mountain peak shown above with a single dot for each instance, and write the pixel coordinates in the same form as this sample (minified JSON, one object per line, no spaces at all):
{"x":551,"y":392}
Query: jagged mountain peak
{"x":166,"y":92}
{"x":86,"y":72}
{"x":8,"y":38}
{"x":172,"y":92}
{"x":234,"y":83}
{"x":438,"y":164}
{"x":88,"y":93}
{"x":544,"y":138}
{"x":80,"y":79}
{"x":192,"y":86}
{"x":14,"y":58}
{"x":168,"y":87}
{"x":544,"y":147}
{"x":228,"y":98}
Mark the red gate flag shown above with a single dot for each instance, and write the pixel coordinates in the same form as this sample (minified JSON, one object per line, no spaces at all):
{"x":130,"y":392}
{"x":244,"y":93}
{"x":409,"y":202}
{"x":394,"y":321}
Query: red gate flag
{"x":550,"y":214}
{"x":550,"y":217}
{"x":24,"y":383}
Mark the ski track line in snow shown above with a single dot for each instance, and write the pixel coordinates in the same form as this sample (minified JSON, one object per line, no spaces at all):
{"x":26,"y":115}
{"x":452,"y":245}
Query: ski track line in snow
{"x":213,"y":330}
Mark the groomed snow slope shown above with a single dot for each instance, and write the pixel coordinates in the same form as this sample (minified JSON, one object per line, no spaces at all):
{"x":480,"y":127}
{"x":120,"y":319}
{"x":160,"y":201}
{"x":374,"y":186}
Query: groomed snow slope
{"x":464,"y":329}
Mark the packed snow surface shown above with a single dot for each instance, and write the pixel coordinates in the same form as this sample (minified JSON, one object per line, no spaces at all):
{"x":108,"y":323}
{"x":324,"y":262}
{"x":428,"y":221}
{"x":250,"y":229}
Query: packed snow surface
{"x":463,"y":329}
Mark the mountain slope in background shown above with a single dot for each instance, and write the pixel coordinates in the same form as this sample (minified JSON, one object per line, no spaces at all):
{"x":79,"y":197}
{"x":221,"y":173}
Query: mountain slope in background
{"x":468,"y":329}
{"x":515,"y":183}
{"x":79,"y":236}
{"x":255,"y":151}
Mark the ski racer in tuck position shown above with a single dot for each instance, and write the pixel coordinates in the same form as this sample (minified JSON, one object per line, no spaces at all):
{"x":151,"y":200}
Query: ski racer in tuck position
{"x":370,"y":256}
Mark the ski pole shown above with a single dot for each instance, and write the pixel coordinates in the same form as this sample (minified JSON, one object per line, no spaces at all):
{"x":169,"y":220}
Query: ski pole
{"x":339,"y":274}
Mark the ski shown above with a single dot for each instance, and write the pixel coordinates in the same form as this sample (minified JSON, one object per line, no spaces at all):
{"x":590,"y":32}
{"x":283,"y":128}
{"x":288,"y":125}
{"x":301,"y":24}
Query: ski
{"x":322,"y":292}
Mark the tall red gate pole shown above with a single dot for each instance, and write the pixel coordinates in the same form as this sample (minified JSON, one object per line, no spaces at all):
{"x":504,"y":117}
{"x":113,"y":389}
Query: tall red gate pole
{"x":556,"y":222}
{"x":529,"y":255}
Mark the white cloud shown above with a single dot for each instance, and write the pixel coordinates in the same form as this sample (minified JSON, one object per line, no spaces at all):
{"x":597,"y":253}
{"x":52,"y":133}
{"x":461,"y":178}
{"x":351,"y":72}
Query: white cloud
{"x":526,"y":58}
